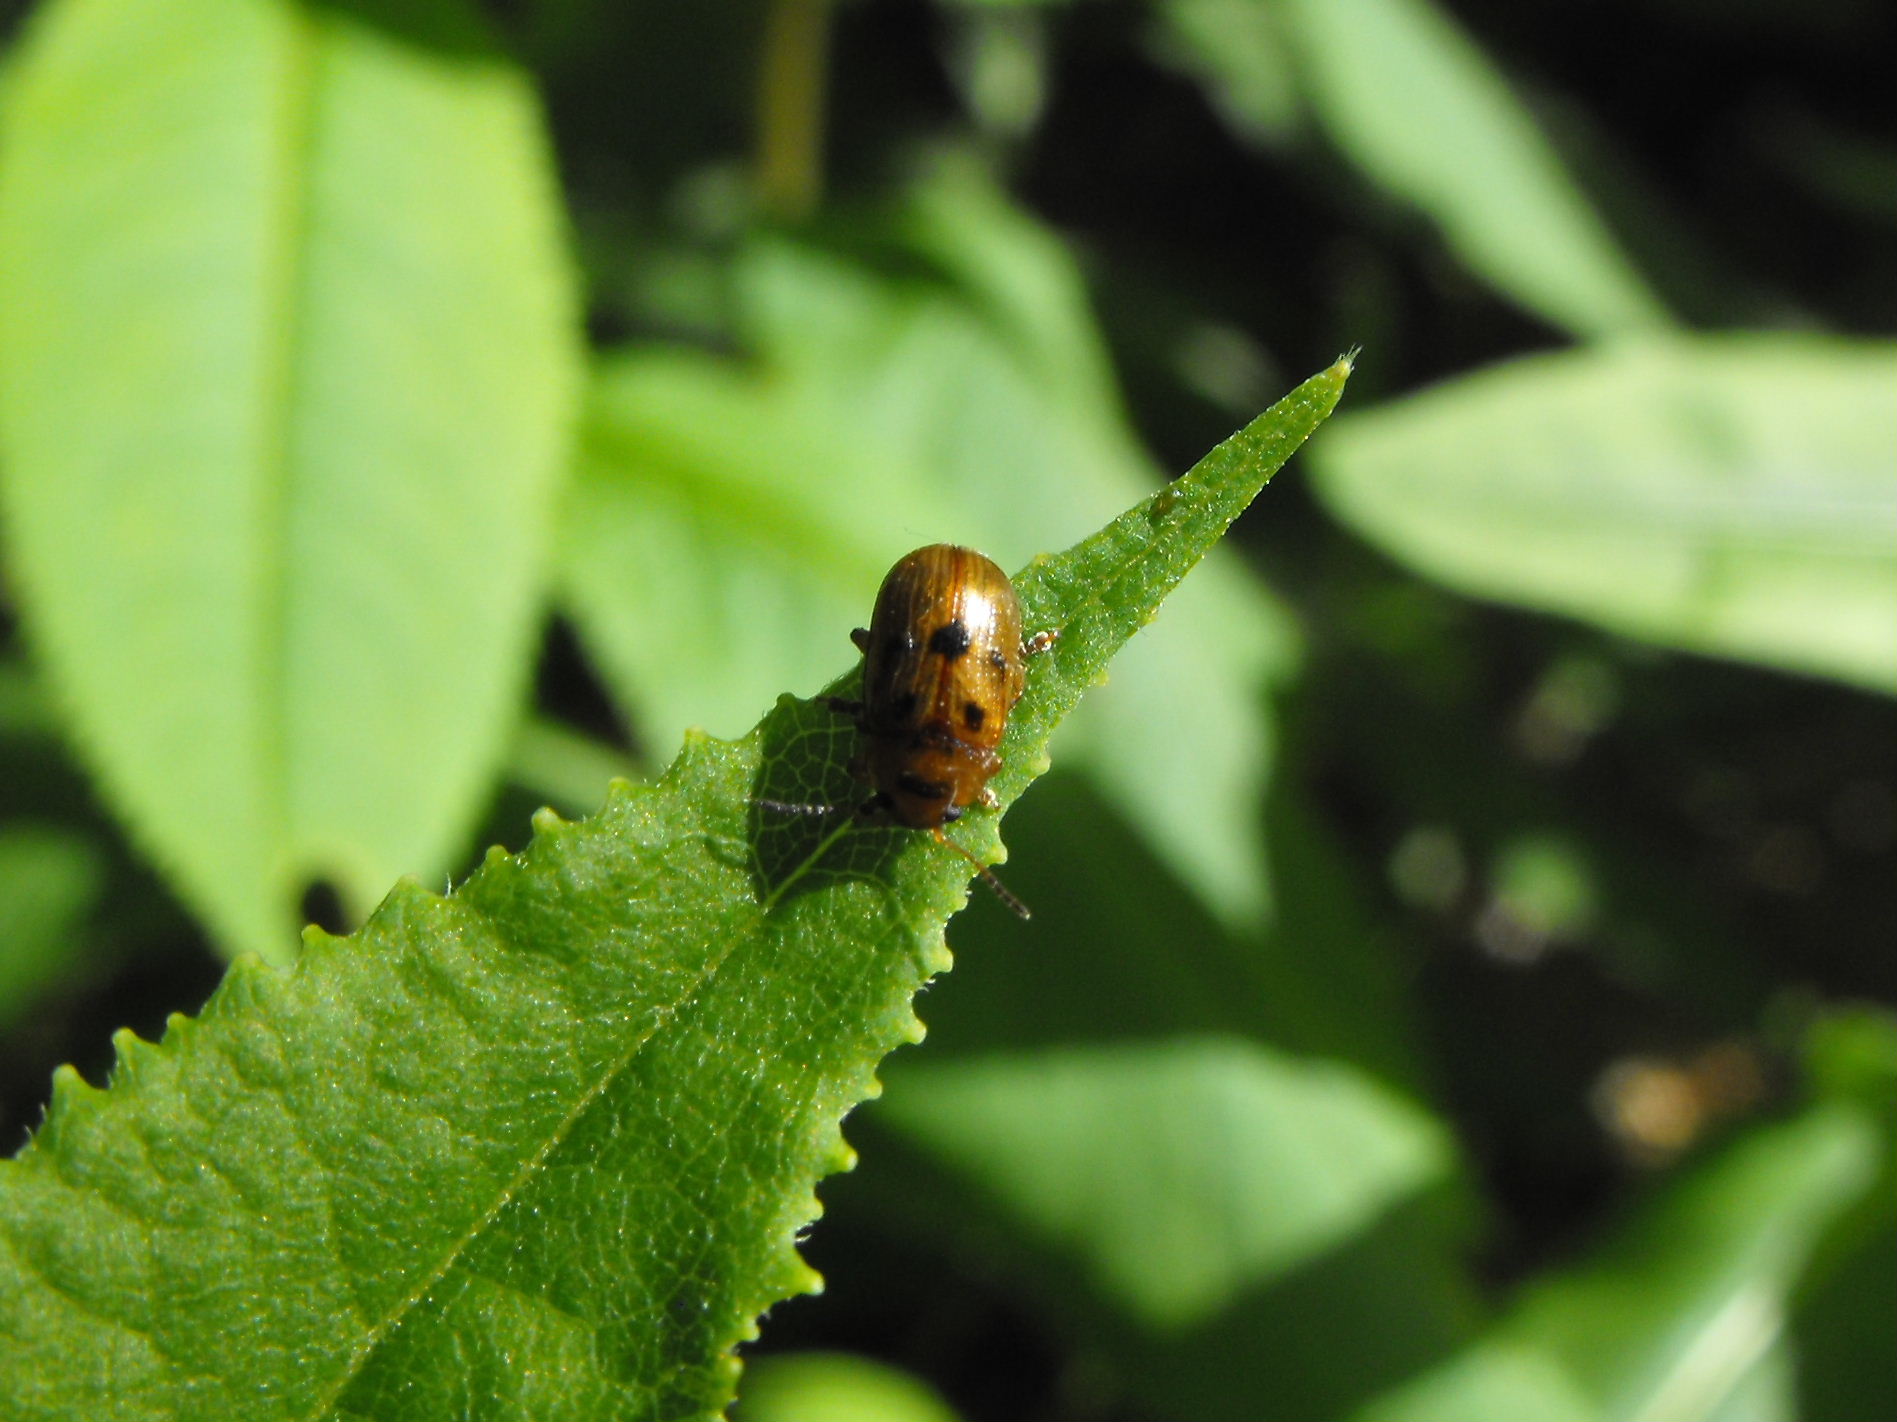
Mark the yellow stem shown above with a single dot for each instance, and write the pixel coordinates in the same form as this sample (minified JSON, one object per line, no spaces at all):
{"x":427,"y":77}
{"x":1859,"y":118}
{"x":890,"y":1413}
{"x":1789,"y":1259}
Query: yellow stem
{"x":790,"y":107}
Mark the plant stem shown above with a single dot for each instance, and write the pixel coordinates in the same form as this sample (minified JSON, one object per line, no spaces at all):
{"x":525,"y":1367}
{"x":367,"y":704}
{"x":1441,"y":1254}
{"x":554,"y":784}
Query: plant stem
{"x":790,"y":107}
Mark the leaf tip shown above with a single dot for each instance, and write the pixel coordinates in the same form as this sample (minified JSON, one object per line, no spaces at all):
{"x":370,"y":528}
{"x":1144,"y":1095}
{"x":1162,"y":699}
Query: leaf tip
{"x":915,"y":1030}
{"x":131,"y":1052}
{"x":71,"y":1093}
{"x":806,"y":1280}
{"x":692,"y":749}
{"x":317,"y":942}
{"x":246,"y":983}
{"x":408,"y":892}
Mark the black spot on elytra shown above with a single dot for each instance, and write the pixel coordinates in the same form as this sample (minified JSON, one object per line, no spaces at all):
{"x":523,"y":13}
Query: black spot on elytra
{"x":899,"y":645}
{"x":949,"y":640}
{"x":902,"y":705}
{"x":973,"y":715}
{"x":913,"y":784}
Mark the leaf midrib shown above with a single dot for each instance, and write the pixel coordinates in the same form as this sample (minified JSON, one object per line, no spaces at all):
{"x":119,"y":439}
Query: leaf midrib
{"x":1752,"y":515}
{"x":753,"y":933}
{"x":1057,"y":695}
{"x":282,"y":310}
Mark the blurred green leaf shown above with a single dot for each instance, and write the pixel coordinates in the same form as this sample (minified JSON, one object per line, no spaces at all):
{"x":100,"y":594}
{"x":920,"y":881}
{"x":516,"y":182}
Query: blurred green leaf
{"x":1181,"y":1172}
{"x":731,"y":525}
{"x":1421,"y":110}
{"x":1679,"y":1309}
{"x":1767,"y":1393}
{"x":23,"y":706}
{"x":1846,"y":1366}
{"x":1851,"y":172}
{"x":1126,"y":951}
{"x":539,"y":1147}
{"x":1683,"y":1312}
{"x":835,"y":1387}
{"x":720,"y":543}
{"x":1125,"y":954}
{"x":566,"y":768}
{"x":1497,"y":1380}
{"x":289,"y":351}
{"x":1238,"y":50}
{"x":48,"y":880}
{"x":1735,"y":496}
{"x":1852,"y":1053}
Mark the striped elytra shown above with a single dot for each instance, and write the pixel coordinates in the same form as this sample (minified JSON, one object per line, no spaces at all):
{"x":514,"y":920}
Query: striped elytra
{"x":943,"y":665}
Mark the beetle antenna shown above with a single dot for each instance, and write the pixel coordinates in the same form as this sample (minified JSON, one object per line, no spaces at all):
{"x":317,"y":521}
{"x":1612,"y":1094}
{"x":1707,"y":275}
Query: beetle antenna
{"x":1015,"y":906}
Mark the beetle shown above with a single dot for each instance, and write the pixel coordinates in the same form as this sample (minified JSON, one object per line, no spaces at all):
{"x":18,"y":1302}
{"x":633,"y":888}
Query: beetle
{"x":944,"y":662}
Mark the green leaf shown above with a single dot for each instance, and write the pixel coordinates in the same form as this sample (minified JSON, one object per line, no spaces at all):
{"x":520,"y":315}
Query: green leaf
{"x":1421,"y":110}
{"x":1683,"y":1312}
{"x":883,"y":412}
{"x":1123,"y":950}
{"x":1846,"y":1369}
{"x":289,"y":356}
{"x":1239,"y":51}
{"x":687,"y":547}
{"x":1679,"y":1310}
{"x":1497,"y":1379}
{"x":1178,"y":1173}
{"x":539,"y":1148}
{"x":48,"y":880}
{"x":1734,"y":496}
{"x":835,"y":1387}
{"x":24,"y":709}
{"x":565,"y":768}
{"x":1124,"y":954}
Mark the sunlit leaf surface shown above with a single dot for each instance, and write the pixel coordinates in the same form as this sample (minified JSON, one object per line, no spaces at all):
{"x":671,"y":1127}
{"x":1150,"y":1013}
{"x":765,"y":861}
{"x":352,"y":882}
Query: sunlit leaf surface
{"x":289,"y":357}
{"x":539,"y":1147}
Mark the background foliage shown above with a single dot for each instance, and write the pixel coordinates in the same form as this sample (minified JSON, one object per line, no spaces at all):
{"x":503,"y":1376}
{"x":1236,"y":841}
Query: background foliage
{"x":1461,"y":981}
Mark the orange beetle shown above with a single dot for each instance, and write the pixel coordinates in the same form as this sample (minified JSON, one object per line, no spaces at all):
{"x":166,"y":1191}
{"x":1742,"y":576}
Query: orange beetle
{"x":943,"y":665}
{"x":942,"y":668}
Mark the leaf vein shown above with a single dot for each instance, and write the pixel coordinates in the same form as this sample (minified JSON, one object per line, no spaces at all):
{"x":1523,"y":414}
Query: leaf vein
{"x":529,"y":1169}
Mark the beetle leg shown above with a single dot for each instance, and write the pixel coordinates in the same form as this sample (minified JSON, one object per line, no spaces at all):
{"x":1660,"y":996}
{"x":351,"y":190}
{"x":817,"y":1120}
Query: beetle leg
{"x":1015,"y":905}
{"x":843,"y":706}
{"x":860,"y":636}
{"x":1040,"y":642}
{"x":785,"y":807}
